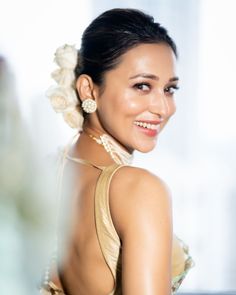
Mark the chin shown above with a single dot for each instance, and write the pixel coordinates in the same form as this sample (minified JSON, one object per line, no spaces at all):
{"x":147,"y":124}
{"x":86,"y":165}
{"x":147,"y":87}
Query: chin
{"x":145,"y":148}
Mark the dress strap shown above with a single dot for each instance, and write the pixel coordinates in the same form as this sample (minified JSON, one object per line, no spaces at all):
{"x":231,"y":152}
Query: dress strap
{"x":108,"y":238}
{"x":65,"y":155}
{"x":62,"y":162}
{"x":85,"y":162}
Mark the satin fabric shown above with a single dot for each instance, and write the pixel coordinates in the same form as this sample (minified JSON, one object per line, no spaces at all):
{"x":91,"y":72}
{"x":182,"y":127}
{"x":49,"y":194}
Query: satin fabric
{"x":109,"y":240}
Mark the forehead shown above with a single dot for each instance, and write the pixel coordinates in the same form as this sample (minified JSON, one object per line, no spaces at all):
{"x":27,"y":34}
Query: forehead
{"x":157,"y":59}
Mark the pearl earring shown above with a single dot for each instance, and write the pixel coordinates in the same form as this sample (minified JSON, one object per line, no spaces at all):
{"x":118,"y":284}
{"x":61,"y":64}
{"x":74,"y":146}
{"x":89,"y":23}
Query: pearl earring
{"x":89,"y":105}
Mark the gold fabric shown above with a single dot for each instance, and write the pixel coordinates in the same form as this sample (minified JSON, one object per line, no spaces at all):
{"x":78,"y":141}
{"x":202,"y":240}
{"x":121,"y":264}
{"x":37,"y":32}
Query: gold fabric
{"x":110,"y":242}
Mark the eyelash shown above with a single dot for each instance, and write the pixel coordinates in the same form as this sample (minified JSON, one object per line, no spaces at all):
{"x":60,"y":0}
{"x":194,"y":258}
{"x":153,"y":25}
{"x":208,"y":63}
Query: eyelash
{"x":173,"y":87}
{"x":139,"y":86}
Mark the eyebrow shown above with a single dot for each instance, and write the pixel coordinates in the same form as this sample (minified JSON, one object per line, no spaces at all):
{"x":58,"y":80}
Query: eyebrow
{"x":153,"y":77}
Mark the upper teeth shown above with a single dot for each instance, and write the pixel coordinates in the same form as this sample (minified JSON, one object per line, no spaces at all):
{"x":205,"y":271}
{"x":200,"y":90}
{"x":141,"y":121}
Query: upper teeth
{"x":146,"y":125}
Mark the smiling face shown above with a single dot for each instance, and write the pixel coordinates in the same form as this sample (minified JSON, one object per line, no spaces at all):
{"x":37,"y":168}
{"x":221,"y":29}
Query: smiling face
{"x":138,"y":97}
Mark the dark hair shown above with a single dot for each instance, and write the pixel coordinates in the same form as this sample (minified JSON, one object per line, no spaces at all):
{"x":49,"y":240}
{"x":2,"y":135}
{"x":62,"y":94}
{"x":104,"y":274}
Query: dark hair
{"x":112,"y":34}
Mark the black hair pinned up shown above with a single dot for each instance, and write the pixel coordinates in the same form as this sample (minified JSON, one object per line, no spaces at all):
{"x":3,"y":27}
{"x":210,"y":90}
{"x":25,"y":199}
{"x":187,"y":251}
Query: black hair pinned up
{"x":112,"y":34}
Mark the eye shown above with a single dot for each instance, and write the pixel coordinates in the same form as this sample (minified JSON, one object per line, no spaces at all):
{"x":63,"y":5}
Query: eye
{"x":171,"y":89}
{"x":142,"y":86}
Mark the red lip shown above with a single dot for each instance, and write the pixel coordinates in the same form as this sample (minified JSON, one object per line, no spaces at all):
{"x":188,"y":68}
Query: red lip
{"x":148,"y":132}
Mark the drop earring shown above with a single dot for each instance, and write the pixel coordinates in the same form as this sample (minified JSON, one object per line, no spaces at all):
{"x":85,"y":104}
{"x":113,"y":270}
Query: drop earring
{"x":89,"y":105}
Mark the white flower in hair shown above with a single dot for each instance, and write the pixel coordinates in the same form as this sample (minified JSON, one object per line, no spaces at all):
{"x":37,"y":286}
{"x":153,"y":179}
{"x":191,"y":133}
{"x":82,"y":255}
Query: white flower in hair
{"x":64,"y":77}
{"x":66,"y":57}
{"x":74,"y":118}
{"x":63,"y":97}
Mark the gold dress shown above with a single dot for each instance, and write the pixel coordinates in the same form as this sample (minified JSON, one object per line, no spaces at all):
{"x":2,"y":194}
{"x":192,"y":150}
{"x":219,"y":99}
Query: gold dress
{"x":109,"y":240}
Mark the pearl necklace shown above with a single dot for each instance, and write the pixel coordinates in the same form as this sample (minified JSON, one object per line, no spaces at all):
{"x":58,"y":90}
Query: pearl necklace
{"x":119,"y":155}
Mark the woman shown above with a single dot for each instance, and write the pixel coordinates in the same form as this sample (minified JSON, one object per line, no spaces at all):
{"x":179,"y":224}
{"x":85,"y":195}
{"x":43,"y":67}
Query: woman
{"x":117,"y":219}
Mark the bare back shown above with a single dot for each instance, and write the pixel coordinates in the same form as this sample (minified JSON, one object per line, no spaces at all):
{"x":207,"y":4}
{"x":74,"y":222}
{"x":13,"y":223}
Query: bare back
{"x":103,"y":217}
{"x":83,"y":267}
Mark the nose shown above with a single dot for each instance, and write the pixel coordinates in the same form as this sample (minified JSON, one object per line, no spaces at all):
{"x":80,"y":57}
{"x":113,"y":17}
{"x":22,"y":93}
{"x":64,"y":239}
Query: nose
{"x":159,"y":105}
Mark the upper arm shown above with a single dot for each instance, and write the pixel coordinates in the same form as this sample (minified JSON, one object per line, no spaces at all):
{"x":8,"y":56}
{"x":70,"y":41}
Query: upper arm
{"x":142,"y":214}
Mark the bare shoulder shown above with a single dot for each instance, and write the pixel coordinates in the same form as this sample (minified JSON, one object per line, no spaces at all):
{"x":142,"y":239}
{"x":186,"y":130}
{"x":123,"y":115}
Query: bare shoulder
{"x":133,"y":182}
{"x":141,"y":211}
{"x":136,"y":194}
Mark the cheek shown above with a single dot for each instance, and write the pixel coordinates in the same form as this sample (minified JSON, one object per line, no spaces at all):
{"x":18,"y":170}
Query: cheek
{"x":172,"y":110}
{"x":126,"y":104}
{"x":129,"y":108}
{"x":172,"y":107}
{"x":131,"y":105}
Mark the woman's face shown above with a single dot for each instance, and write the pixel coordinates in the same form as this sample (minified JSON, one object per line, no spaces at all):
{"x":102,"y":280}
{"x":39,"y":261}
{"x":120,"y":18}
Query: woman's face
{"x":138,"y":97}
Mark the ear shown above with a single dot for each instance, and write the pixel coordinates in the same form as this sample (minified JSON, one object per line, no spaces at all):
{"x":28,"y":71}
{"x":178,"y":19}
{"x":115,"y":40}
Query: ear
{"x":86,"y":87}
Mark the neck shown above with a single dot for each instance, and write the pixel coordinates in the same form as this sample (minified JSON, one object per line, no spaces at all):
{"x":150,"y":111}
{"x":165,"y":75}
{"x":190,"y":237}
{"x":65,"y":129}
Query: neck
{"x":115,"y":149}
{"x":97,"y":133}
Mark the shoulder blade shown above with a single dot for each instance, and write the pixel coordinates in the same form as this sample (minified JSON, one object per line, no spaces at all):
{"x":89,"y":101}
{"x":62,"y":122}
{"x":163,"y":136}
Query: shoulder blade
{"x":141,"y":210}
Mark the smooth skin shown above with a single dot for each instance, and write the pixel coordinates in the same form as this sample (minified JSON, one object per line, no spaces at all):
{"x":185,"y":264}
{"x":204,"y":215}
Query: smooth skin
{"x":140,"y":88}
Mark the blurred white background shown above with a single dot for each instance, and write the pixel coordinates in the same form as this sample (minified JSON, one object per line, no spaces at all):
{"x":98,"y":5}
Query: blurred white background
{"x":196,"y":153}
